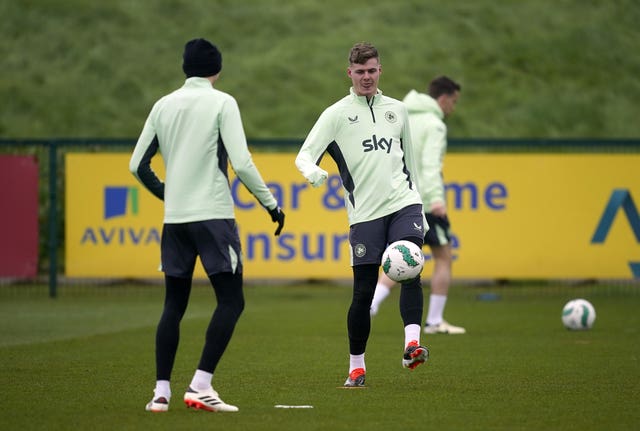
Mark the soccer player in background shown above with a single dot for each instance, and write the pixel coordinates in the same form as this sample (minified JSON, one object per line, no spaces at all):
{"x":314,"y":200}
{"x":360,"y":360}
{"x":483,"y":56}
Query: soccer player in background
{"x":426,"y":115}
{"x":198,"y":130}
{"x":367,"y":135}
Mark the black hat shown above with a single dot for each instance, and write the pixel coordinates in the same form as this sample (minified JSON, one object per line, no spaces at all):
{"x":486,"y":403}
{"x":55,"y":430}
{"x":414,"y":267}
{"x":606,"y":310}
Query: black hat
{"x":201,"y":58}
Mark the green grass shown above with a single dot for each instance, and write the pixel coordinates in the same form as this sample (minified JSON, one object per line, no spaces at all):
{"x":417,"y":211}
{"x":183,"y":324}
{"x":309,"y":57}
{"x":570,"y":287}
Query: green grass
{"x":528,"y":68}
{"x":85,"y":361}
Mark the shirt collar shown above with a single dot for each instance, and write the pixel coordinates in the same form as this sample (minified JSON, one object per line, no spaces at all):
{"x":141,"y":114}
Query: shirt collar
{"x":197,"y":81}
{"x":363,"y":99}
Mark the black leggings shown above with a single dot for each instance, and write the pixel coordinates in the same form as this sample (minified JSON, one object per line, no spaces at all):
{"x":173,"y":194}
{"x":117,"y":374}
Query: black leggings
{"x":365,"y":278}
{"x":230,"y":298}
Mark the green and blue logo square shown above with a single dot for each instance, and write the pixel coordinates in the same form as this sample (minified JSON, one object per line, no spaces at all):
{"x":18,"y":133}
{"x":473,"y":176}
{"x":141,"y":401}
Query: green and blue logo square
{"x":120,"y":201}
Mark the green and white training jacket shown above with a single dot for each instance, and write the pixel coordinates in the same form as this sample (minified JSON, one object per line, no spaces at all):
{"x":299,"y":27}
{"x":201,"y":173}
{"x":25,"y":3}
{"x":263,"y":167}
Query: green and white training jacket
{"x":370,"y":142}
{"x":198,"y":130}
{"x":429,"y":133}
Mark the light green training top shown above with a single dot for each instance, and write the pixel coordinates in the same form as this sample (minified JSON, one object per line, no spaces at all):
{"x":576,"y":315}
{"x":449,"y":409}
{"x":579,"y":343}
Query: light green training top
{"x":370,"y":142}
{"x":429,"y":132}
{"x":198,"y":130}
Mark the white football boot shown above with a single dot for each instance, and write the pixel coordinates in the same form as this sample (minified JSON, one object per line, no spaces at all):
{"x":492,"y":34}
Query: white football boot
{"x":444,"y":327}
{"x":157,"y":405}
{"x":207,"y":400}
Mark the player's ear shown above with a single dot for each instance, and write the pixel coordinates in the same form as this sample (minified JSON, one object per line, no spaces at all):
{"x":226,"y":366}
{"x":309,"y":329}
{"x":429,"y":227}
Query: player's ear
{"x":349,"y":72}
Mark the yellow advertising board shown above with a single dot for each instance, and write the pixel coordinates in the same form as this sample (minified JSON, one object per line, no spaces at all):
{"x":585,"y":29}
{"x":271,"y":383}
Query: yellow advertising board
{"x":535,"y":215}
{"x":513,"y":216}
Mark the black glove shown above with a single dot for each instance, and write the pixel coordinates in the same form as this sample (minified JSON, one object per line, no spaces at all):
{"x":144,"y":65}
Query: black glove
{"x":277,"y":216}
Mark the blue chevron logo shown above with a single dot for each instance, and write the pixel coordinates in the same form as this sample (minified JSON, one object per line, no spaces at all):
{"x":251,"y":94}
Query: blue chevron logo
{"x":620,"y":198}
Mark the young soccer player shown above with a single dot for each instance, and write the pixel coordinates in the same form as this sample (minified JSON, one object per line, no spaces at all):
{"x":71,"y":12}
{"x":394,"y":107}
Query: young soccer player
{"x":426,"y":114}
{"x":198,"y":130}
{"x":367,"y":135}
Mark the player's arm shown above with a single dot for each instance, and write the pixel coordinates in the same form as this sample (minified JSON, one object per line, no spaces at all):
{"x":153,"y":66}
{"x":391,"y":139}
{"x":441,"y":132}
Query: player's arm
{"x":314,"y":146}
{"x":409,"y":145}
{"x":412,"y":154}
{"x":432,"y":193}
{"x":235,"y":142}
{"x":140,"y":162}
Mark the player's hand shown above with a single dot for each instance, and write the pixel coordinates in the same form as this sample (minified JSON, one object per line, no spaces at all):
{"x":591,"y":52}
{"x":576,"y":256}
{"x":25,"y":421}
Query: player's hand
{"x":438,"y":209}
{"x":317,"y":178}
{"x":277,"y":216}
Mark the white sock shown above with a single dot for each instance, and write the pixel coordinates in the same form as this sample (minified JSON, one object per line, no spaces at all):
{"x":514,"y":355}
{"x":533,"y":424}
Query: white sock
{"x":163,"y":389}
{"x":380,"y":295}
{"x":411,"y":333}
{"x":436,"y":309}
{"x":201,"y":380}
{"x":356,"y":361}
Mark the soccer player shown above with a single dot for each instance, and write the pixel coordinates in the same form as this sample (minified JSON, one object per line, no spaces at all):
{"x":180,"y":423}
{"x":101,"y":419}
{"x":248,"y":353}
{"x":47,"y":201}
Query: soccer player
{"x":426,"y":114}
{"x":367,"y":135}
{"x":198,"y":130}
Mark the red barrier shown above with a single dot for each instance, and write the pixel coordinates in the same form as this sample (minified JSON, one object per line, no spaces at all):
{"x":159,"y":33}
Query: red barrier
{"x":18,"y":216}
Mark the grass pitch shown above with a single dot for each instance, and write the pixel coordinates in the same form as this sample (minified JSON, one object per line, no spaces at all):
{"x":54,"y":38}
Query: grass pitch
{"x":85,"y":361}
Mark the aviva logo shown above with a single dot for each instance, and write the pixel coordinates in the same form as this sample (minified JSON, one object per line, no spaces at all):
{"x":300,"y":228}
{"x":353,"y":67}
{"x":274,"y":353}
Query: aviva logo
{"x":620,"y":199}
{"x":118,"y":199}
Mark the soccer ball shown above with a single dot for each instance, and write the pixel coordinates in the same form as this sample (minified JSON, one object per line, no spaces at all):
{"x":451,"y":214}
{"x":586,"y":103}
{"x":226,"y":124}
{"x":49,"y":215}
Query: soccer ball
{"x":578,"y":314}
{"x":402,"y":261}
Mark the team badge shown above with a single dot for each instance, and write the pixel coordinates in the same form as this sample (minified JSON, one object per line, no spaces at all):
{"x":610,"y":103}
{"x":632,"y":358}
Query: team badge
{"x":360,"y":250}
{"x":390,"y":116}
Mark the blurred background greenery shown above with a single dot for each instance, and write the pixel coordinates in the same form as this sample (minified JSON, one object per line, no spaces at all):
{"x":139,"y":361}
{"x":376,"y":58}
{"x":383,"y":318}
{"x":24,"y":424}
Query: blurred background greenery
{"x":529,"y":68}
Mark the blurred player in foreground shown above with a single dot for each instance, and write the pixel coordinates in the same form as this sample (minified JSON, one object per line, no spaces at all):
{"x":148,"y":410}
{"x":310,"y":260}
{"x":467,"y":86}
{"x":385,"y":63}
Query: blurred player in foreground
{"x":426,"y":115}
{"x":367,"y":135}
{"x":198,"y":130}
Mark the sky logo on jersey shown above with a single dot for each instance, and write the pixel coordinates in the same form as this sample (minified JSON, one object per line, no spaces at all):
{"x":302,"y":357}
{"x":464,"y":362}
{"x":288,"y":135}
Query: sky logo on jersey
{"x":120,"y":201}
{"x":620,"y":199}
{"x":375,"y":144}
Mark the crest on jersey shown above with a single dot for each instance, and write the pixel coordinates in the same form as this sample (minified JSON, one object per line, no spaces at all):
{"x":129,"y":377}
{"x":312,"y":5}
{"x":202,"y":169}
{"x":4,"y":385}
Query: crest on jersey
{"x":390,"y":116}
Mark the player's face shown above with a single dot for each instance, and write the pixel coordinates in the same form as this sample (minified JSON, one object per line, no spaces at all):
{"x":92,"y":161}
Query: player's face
{"x":448,"y":102}
{"x":364,"y":77}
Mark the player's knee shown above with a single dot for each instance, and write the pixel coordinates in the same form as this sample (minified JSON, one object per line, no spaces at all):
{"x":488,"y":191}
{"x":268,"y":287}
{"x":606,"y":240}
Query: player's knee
{"x":233,"y":304}
{"x":414,"y":239}
{"x":238,"y":306}
{"x":412,"y":284}
{"x":364,"y":285}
